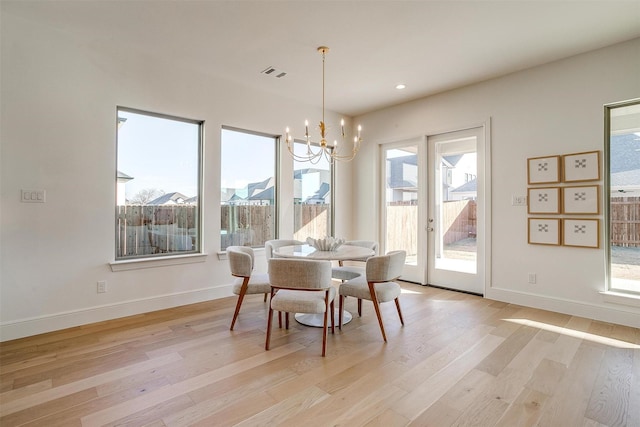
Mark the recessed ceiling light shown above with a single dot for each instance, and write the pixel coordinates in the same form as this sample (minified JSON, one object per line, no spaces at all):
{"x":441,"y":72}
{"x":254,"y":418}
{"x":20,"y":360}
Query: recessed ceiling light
{"x":400,"y":86}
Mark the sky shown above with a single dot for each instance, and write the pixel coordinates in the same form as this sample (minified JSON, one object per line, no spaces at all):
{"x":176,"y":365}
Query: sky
{"x":162,"y":154}
{"x":159,"y":154}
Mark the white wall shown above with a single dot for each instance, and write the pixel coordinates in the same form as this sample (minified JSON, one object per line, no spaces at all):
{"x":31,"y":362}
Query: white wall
{"x":59,"y":98}
{"x":553,"y":109}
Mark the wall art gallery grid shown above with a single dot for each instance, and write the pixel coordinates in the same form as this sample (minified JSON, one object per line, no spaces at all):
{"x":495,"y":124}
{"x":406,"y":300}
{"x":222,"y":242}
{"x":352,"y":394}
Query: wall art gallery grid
{"x":557,"y":187}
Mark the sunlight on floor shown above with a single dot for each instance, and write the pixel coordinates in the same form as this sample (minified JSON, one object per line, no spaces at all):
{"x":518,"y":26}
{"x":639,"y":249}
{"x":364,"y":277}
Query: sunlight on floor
{"x":576,"y":334}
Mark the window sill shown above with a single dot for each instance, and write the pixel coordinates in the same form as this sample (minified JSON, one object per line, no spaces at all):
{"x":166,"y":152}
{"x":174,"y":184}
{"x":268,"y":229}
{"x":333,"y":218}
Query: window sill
{"x":138,"y":264}
{"x":621,"y":298}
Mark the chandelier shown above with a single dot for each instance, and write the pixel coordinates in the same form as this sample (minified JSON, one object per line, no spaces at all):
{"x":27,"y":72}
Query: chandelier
{"x":326,"y":150}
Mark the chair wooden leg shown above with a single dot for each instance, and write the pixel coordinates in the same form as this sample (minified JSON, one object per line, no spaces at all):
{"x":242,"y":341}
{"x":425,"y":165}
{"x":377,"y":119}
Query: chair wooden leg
{"x":359,"y":307}
{"x":333,"y":321}
{"x":340,"y":304}
{"x":286,"y":320}
{"x":266,"y":344}
{"x":265,"y":297}
{"x":324,"y":324}
{"x":399,"y":311}
{"x":376,"y":305}
{"x":243,"y":291}
{"x":280,"y":319}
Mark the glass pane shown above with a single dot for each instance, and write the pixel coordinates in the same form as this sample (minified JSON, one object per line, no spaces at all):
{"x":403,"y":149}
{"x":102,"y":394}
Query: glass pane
{"x":456,"y":203}
{"x":311,"y":197}
{"x":624,"y":208}
{"x":402,"y":201}
{"x":248,"y":206}
{"x":157,"y":185}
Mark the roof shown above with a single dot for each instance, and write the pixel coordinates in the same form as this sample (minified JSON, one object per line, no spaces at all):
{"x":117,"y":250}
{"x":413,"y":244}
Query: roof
{"x":467,"y":187}
{"x":169,"y":199}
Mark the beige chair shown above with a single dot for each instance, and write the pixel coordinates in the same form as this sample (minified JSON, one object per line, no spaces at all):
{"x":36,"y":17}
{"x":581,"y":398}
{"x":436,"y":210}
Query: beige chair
{"x":377,"y":285}
{"x":271,"y":245}
{"x":241,"y":262}
{"x":301,"y":286}
{"x":347,"y":272}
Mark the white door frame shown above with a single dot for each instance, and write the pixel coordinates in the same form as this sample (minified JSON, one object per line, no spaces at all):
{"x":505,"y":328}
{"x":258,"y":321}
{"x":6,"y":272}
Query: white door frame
{"x":484,"y":165}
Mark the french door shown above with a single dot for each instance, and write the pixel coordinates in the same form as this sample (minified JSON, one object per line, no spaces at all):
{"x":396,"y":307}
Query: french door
{"x":403,"y":225}
{"x":434,"y":208}
{"x":455,"y":210}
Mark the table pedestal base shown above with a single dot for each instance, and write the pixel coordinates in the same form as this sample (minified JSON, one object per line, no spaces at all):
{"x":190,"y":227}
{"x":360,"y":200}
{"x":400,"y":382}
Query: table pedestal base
{"x":317,"y":320}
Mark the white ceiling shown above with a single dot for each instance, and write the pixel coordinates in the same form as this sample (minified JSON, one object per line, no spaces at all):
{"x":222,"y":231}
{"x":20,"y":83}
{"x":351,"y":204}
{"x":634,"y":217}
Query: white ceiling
{"x":431,"y":46}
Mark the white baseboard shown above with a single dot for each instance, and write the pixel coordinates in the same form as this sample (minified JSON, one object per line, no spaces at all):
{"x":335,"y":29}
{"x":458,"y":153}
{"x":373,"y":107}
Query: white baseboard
{"x":612,"y":313}
{"x":54,"y":322}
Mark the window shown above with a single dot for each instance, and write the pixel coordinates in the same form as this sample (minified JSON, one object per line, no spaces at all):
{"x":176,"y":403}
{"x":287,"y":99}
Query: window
{"x":158,"y":184}
{"x":248,"y":188}
{"x":312,"y":196}
{"x":623,"y":175}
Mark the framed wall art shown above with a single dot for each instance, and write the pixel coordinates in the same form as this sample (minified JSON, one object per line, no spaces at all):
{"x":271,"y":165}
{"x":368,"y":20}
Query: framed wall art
{"x":584,"y":233}
{"x":544,"y":231}
{"x":581,"y":166}
{"x":581,"y":200}
{"x":544,"y":200}
{"x":543,"y":170}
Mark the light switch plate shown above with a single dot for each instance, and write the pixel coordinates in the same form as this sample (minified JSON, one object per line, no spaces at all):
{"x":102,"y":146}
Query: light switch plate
{"x":33,"y":196}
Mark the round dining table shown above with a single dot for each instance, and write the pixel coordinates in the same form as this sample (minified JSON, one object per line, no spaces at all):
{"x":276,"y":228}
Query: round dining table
{"x":342,"y":253}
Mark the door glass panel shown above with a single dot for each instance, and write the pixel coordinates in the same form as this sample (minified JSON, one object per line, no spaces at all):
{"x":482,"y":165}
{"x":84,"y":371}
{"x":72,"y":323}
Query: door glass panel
{"x":401,"y":201}
{"x":624,"y":197}
{"x":455,"y":221}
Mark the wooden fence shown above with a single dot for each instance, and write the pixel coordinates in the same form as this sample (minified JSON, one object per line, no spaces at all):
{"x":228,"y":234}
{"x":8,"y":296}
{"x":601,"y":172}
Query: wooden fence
{"x":153,"y":229}
{"x":625,"y":221}
{"x":144,"y":230}
{"x":458,"y":221}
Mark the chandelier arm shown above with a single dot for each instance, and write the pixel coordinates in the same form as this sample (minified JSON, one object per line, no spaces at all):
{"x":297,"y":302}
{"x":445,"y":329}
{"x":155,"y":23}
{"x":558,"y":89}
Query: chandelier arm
{"x":326,"y":150}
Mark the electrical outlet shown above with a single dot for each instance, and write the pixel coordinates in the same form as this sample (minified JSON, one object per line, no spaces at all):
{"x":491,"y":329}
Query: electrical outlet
{"x":102,"y":286}
{"x":532,"y":278}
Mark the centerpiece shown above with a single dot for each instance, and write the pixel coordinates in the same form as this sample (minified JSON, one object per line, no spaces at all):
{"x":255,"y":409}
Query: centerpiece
{"x":326,"y":244}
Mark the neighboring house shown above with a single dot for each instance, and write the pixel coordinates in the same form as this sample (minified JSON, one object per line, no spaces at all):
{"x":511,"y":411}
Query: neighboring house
{"x":311,"y":186}
{"x":457,"y":170}
{"x":319,"y":197}
{"x":402,"y":178}
{"x":174,"y":198}
{"x":467,"y":191}
{"x":122,"y":179}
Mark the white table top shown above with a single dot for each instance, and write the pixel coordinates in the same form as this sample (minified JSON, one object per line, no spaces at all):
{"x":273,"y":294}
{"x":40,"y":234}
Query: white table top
{"x":344,"y":252}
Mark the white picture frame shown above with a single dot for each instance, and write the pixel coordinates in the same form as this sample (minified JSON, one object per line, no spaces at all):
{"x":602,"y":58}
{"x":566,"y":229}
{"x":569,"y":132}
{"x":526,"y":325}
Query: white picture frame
{"x":581,"y":166}
{"x":544,"y":200}
{"x":544,"y":231}
{"x":543,"y":170}
{"x":583,"y":233}
{"x":581,"y":200}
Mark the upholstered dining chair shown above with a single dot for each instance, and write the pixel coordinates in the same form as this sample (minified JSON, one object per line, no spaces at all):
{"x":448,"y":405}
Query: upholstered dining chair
{"x":271,"y":245}
{"x":346,"y":272}
{"x":301,"y":286}
{"x":241,"y":262}
{"x":377,"y":285}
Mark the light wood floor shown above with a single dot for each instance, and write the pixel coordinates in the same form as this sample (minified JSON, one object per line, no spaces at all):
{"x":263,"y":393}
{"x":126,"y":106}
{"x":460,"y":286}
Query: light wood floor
{"x":459,"y":360}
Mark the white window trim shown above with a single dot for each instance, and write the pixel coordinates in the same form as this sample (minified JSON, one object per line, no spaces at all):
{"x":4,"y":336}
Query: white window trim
{"x":164,"y":261}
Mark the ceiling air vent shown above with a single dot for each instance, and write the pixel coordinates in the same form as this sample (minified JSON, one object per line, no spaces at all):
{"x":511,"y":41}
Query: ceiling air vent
{"x":271,"y":71}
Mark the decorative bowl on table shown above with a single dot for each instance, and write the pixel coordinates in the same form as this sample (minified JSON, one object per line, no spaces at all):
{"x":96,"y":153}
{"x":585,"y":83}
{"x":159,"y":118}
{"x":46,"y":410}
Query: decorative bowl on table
{"x":326,"y":244}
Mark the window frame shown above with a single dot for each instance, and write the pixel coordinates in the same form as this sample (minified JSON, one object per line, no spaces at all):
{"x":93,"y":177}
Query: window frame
{"x":332,"y":175}
{"x":121,"y":261}
{"x":276,"y":178}
{"x":607,"y":198}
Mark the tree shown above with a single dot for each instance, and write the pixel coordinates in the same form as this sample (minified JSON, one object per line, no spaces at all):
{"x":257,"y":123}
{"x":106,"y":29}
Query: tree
{"x":143,"y":197}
